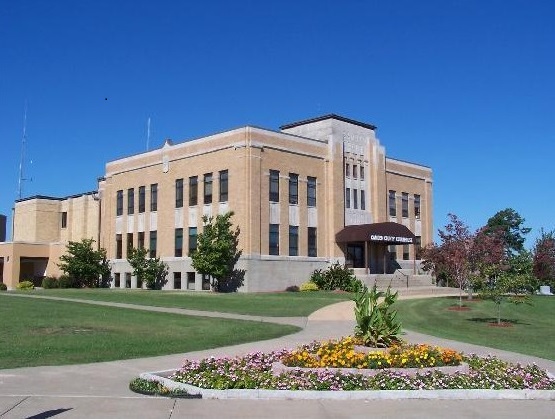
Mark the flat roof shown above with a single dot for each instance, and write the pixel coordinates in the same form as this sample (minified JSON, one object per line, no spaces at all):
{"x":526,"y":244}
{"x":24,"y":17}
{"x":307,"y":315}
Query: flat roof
{"x":328,"y":116}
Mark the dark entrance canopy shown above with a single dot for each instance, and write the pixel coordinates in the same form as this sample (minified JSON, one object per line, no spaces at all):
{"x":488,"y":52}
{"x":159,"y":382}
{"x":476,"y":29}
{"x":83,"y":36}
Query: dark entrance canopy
{"x":386,"y":233}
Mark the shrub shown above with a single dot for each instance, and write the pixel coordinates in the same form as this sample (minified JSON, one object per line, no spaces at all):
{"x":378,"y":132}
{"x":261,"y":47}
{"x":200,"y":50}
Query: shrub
{"x":66,"y":281}
{"x":3,"y":287}
{"x":309,"y":286}
{"x":25,"y":285}
{"x":335,"y":277}
{"x":49,"y":282}
{"x":155,"y":388}
{"x":292,"y":288}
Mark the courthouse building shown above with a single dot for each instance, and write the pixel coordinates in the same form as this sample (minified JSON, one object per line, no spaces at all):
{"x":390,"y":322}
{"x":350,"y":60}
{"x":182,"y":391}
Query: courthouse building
{"x":315,"y":192}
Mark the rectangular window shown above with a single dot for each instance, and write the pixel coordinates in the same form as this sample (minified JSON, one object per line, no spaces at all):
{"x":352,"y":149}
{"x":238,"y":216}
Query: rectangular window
{"x":274,"y":239}
{"x":293,"y":241}
{"x":418,"y":248}
{"x":274,"y":186}
{"x":141,"y":240}
{"x":177,"y":280}
{"x":179,"y":193}
{"x":347,"y":170}
{"x":117,"y":280}
{"x":119,"y":203}
{"x":361,"y":172}
{"x":417,"y":207}
{"x":362,"y":200}
{"x":130,"y":201}
{"x":205,"y":282}
{"x":355,"y":171}
{"x":141,"y":199}
{"x":193,"y":191}
{"x":129,"y":243}
{"x":293,"y":188}
{"x":224,"y":186}
{"x":192,"y":239}
{"x":178,"y":242}
{"x":405,"y":252}
{"x":153,"y":239}
{"x":119,"y":246}
{"x":127,"y":279}
{"x":191,"y":281}
{"x":392,"y":252}
{"x":312,"y":242}
{"x":405,"y":204}
{"x":208,"y":188}
{"x":154,"y":197}
{"x":311,"y":191}
{"x":355,"y":198}
{"x":64,"y":219}
{"x":392,"y":207}
{"x":348,"y":198}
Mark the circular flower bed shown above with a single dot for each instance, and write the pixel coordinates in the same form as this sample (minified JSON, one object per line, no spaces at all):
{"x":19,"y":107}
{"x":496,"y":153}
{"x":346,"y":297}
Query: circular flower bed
{"x":254,"y":371}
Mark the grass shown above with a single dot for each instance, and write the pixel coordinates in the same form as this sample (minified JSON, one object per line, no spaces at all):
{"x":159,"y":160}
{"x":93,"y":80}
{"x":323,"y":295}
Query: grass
{"x":45,"y":332}
{"x":532,"y":329}
{"x":277,"y":304}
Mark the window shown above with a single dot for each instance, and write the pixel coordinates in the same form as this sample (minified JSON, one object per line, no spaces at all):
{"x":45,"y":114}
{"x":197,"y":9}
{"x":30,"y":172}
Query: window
{"x":154,"y":197}
{"x":405,"y":204}
{"x":141,"y":240}
{"x":392,"y":252}
{"x":141,"y":199}
{"x":274,"y":239}
{"x":361,"y":172}
{"x":191,"y":280}
{"x":347,"y":170}
{"x":312,"y":242}
{"x":127,"y":279}
{"x":224,"y":186}
{"x":293,"y":188}
{"x":119,"y":203}
{"x":311,"y":191}
{"x":418,"y":248}
{"x":193,"y":191}
{"x":178,"y":242}
{"x":348,"y":198}
{"x":274,"y":186}
{"x":153,"y":239}
{"x":129,"y":243}
{"x":355,"y":171}
{"x":405,"y":252}
{"x":119,"y":246}
{"x":64,"y":219}
{"x":355,"y":198}
{"x":192,"y":239}
{"x":417,"y":207}
{"x":177,"y":280}
{"x":130,"y":201}
{"x":392,"y":208}
{"x":208,"y":188}
{"x":179,"y":193}
{"x":117,"y":280}
{"x":362,"y":200}
{"x":293,"y":241}
{"x":205,"y":282}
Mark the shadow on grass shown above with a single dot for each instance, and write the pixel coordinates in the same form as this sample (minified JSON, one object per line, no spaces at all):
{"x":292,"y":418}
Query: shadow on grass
{"x":494,"y":320}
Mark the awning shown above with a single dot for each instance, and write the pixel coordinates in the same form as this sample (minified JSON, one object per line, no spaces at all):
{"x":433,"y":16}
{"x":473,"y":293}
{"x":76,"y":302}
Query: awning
{"x":386,"y":233}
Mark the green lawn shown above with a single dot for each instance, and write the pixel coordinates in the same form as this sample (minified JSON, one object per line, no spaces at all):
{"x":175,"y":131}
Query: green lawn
{"x":532,"y":331}
{"x":45,"y":332}
{"x":278,"y":304}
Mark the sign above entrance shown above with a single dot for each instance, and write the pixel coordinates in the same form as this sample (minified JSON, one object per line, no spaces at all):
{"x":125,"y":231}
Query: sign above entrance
{"x":389,"y":239}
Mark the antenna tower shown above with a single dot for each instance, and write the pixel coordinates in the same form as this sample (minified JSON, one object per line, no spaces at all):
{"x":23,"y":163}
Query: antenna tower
{"x":148,"y":134}
{"x":23,"y":140}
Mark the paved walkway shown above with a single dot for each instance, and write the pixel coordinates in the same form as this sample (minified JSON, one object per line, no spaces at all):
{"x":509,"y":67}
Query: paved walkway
{"x":101,"y":390}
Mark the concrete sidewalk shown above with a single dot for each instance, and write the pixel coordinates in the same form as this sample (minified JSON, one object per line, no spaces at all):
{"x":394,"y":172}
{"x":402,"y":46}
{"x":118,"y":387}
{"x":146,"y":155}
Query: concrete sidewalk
{"x":101,"y":390}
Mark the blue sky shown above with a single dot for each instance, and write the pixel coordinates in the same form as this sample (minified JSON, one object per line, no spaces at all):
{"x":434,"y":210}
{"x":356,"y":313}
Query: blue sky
{"x":465,"y":87}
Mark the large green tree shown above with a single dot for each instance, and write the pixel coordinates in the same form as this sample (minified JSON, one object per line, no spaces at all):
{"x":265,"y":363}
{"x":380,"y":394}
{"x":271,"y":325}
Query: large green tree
{"x":510,"y":224}
{"x":87,"y":267}
{"x":152,"y":271}
{"x":217,"y":252}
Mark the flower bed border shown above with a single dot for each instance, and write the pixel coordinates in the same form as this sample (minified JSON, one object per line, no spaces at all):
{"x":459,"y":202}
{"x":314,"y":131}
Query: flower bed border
{"x":481,"y":394}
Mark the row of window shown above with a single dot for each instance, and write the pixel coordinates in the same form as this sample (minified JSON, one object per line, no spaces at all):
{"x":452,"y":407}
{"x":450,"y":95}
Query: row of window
{"x":357,"y":173}
{"x":176,"y":281}
{"x":293,"y":241}
{"x":404,"y":205}
{"x":355,"y":202}
{"x":193,"y":194}
{"x":153,"y":239}
{"x":293,"y":188}
{"x":417,"y":250}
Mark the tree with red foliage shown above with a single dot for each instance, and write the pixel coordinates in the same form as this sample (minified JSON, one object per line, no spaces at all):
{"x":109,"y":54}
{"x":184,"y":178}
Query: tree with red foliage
{"x":544,"y":258}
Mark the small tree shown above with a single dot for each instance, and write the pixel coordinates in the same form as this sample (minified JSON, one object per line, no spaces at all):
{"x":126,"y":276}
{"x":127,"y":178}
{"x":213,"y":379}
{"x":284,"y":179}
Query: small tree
{"x":509,"y":223}
{"x":544,"y":258}
{"x":217,"y":252}
{"x":152,"y":271}
{"x":87,"y":267}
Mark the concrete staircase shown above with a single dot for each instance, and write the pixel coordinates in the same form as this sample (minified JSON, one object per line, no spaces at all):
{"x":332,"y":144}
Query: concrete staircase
{"x":401,"y":279}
